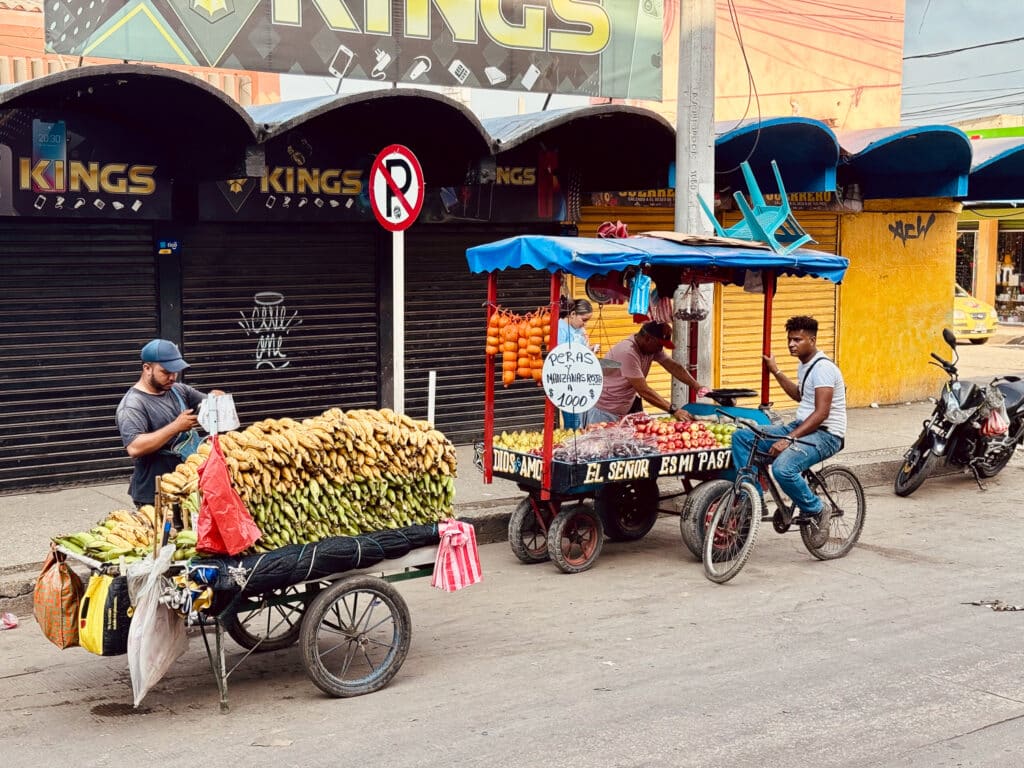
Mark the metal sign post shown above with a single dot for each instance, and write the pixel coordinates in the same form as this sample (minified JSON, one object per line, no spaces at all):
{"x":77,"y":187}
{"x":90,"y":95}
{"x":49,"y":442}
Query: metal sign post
{"x":396,"y":196}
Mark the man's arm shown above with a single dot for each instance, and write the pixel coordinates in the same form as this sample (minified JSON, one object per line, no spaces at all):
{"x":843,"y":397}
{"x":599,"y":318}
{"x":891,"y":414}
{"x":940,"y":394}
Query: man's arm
{"x":822,"y":408}
{"x":788,"y":385}
{"x":146,"y":443}
{"x":648,"y":394}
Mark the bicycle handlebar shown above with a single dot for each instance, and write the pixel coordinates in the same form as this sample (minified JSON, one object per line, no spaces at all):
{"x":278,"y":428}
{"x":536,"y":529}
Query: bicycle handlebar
{"x":761,"y":433}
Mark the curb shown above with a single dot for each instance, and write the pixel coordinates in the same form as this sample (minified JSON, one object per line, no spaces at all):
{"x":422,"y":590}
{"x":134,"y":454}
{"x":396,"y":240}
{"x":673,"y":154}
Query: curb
{"x":490,"y":519}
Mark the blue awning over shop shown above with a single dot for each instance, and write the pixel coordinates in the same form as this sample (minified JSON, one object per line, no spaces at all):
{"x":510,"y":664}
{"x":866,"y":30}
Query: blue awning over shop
{"x":806,"y":151}
{"x":588,"y":256}
{"x":902,"y":161}
{"x":997,"y":172}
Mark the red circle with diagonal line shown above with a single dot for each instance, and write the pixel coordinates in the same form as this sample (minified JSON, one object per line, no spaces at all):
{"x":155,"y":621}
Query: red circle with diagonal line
{"x":396,"y":187}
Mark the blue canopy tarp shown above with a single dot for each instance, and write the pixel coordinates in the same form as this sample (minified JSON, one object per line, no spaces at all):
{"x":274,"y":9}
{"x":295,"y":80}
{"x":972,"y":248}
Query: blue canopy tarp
{"x":588,"y":256}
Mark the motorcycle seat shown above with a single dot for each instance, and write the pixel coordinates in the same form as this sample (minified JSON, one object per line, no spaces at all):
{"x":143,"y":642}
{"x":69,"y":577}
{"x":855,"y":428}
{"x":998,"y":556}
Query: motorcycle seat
{"x":1013,"y":392}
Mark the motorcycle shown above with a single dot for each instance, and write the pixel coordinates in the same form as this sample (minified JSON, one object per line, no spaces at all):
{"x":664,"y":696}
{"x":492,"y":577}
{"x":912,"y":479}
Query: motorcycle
{"x":973,"y":426}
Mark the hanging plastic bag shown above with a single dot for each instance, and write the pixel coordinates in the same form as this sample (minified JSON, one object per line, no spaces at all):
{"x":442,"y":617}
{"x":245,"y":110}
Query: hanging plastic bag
{"x":691,"y":305}
{"x":225,"y":526}
{"x":753,"y":281}
{"x":997,"y":422}
{"x":458,"y":559}
{"x":56,"y":599}
{"x":156,"y":635}
{"x":640,"y":294}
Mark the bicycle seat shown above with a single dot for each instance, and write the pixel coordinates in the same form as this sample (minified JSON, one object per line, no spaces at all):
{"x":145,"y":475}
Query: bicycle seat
{"x":729,"y":396}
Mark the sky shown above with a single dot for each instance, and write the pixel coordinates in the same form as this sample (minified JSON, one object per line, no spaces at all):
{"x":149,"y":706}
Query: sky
{"x":968,"y":84}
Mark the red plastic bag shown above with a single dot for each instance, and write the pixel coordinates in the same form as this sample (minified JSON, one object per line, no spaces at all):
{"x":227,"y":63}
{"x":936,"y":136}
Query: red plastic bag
{"x":225,"y":526}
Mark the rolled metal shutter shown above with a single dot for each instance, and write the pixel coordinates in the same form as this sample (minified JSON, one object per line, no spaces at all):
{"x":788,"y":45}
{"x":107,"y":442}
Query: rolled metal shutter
{"x":77,"y":302}
{"x":742,"y":313}
{"x":446,"y":331}
{"x":283,"y":318}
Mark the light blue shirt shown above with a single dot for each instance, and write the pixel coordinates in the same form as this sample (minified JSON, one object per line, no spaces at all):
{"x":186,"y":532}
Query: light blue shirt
{"x":566,"y":333}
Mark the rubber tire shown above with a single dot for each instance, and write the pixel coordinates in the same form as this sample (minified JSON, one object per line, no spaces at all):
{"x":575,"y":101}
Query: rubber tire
{"x":858,"y":523}
{"x":576,"y":525}
{"x":993,"y":469}
{"x":918,"y":472}
{"x":628,"y":510}
{"x":979,"y":341}
{"x":755,"y":510}
{"x":322,"y":607}
{"x":251,"y":641}
{"x":699,"y":505}
{"x":528,"y":541}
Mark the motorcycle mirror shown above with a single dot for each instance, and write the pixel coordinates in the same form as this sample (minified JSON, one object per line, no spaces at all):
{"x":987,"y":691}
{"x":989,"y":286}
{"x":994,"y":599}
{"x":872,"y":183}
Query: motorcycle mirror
{"x":949,"y":337}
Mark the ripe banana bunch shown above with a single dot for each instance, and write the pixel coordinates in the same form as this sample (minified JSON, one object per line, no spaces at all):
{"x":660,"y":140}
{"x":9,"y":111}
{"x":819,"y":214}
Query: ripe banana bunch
{"x":337,"y":474}
{"x":127,"y":533}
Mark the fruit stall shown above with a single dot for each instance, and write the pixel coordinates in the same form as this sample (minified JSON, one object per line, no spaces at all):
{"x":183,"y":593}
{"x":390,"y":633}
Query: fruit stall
{"x":337,"y":508}
{"x":582,"y":486}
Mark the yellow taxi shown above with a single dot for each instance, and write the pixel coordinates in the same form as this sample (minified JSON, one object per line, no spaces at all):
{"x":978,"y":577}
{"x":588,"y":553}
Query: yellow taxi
{"x":973,"y":320}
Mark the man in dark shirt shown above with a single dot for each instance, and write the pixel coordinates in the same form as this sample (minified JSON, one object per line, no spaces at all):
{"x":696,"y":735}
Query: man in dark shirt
{"x":152,"y":415}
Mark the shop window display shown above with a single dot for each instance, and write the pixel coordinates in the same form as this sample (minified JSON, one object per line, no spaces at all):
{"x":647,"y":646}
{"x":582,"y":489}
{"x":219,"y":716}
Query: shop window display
{"x":1009,"y":300}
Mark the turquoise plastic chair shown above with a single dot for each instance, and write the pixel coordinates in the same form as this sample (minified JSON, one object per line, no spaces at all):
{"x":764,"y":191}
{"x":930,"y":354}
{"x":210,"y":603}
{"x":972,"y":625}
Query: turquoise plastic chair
{"x":771,"y":224}
{"x":739,"y":230}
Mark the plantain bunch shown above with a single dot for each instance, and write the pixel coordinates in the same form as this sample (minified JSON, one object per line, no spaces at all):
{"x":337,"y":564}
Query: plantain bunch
{"x":341,"y":473}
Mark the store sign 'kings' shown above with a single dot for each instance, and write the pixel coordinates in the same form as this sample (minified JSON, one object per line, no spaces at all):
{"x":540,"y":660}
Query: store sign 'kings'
{"x":610,"y":48}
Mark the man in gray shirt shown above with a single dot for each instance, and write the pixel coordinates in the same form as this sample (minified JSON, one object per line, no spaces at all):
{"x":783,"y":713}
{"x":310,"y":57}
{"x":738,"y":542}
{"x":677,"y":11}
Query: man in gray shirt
{"x":152,"y":415}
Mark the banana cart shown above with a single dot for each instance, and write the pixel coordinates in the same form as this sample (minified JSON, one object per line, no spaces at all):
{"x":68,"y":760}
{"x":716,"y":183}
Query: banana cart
{"x":572,"y":503}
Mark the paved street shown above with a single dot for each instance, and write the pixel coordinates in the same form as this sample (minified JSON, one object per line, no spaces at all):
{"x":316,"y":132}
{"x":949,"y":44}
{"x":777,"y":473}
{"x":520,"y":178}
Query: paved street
{"x":870,"y":661}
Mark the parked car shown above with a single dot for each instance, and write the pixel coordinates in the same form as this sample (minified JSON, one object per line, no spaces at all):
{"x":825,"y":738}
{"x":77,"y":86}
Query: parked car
{"x":973,"y":320}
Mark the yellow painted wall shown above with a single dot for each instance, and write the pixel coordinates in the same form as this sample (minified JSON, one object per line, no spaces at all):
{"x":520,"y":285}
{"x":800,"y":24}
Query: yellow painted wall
{"x":897,"y":297}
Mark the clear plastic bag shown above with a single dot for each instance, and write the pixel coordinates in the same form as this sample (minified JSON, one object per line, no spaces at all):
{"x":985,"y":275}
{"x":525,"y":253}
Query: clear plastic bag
{"x":156,"y":636}
{"x":691,"y":306}
{"x":619,"y":441}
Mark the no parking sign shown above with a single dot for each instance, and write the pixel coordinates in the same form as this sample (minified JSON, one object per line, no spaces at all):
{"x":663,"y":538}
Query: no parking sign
{"x":396,"y":188}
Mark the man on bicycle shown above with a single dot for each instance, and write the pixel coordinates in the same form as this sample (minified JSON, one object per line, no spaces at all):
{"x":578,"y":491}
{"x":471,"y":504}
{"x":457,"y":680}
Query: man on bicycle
{"x":820,"y":421}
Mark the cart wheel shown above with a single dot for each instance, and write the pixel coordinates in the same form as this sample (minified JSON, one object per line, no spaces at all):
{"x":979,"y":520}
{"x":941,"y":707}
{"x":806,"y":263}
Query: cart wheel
{"x":274,"y":624}
{"x":527,"y":535}
{"x":698,"y":508}
{"x":355,"y":636}
{"x":628,"y":510}
{"x":575,"y":538}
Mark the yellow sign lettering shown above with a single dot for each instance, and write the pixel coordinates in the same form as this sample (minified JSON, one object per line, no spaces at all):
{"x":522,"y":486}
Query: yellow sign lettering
{"x":593,"y":39}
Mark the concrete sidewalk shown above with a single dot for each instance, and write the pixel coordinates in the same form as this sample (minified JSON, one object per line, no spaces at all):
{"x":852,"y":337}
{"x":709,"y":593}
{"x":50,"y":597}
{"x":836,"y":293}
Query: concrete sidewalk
{"x":876,"y":440}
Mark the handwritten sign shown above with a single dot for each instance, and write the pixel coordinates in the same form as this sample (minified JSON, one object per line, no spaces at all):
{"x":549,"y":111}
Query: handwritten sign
{"x":572,"y":377}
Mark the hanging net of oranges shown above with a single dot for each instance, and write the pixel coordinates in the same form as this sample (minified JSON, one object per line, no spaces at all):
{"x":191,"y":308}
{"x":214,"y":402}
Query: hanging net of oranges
{"x":521,"y":341}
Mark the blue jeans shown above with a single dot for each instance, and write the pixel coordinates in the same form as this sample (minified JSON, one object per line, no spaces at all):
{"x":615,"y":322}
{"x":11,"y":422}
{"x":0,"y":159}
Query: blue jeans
{"x":789,"y":465}
{"x":596,"y":415}
{"x":570,"y":420}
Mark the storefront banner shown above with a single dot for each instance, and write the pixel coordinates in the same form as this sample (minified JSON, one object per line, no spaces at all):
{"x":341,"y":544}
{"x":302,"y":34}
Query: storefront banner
{"x":308,"y":179}
{"x":666,"y":198}
{"x":59,"y":166}
{"x":609,"y":49}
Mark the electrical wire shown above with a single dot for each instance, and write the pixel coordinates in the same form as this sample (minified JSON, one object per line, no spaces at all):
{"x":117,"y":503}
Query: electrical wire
{"x":751,"y":89}
{"x":951,"y":51}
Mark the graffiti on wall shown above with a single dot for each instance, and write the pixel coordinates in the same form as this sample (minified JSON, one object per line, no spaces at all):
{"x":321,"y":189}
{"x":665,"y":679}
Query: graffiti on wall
{"x":911,"y":230}
{"x":269,"y":321}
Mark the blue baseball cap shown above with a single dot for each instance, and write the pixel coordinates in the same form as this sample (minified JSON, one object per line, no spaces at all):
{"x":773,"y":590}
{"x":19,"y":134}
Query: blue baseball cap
{"x":166,"y":353}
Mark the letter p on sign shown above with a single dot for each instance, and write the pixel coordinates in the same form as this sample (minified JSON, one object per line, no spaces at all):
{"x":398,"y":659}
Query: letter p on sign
{"x":396,"y":188}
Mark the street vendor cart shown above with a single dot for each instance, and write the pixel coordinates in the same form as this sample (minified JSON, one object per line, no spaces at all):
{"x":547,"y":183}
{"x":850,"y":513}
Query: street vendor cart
{"x":575,"y":499}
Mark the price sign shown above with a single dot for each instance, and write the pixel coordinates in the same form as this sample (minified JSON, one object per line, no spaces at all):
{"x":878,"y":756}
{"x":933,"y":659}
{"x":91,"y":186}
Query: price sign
{"x":572,"y":378}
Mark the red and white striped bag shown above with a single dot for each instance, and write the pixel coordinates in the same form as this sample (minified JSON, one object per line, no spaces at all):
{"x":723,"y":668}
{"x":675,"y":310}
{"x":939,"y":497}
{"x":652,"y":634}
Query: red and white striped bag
{"x":458,"y":559}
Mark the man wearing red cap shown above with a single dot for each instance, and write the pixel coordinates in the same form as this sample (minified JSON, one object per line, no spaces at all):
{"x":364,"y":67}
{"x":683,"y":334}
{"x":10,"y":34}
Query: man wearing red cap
{"x":153,"y":415}
{"x":623,"y":384}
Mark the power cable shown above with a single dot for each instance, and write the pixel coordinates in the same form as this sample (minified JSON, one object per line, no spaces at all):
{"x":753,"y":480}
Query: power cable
{"x":952,"y":51}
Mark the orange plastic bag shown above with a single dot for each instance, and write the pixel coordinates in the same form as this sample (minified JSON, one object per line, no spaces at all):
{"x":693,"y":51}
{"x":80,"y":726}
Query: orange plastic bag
{"x":55,"y":600}
{"x":225,"y":526}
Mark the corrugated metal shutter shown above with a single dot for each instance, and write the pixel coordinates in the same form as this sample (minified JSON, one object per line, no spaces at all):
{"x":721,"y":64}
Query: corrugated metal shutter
{"x":283,"y":318}
{"x":611,"y":323}
{"x":741,"y":315}
{"x":77,"y":302}
{"x":446,"y":331}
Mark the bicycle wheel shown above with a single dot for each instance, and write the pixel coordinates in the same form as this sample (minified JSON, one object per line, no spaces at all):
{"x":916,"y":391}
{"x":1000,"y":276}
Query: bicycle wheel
{"x":272,"y":624}
{"x":731,"y":534}
{"x":847,"y":497}
{"x":355,"y":636}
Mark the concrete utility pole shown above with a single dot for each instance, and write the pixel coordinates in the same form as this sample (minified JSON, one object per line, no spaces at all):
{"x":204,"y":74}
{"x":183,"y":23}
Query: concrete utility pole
{"x":695,"y":161}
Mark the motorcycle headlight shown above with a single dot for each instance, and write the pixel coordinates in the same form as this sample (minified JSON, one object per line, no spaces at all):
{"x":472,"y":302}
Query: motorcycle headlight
{"x":954,"y":413}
